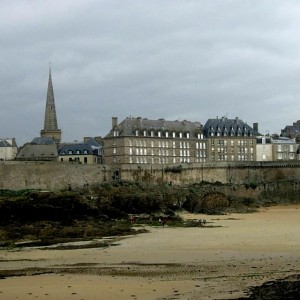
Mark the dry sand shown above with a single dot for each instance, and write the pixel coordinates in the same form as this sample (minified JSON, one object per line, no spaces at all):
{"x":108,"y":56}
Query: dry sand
{"x":218,"y":261}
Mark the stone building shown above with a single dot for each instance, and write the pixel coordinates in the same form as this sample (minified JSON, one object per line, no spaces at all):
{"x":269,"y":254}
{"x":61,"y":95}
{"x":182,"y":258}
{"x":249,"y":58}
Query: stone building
{"x":39,"y":149}
{"x":89,"y":152}
{"x":8,"y":149}
{"x":292,"y":131}
{"x":50,"y":122}
{"x":284,"y":149}
{"x":264,"y":148}
{"x":144,"y":141}
{"x":230,"y":140}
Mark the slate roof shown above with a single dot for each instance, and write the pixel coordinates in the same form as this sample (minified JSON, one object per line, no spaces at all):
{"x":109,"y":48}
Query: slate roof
{"x":283,"y":140}
{"x":291,"y":131}
{"x":4,"y":143}
{"x":267,"y":140}
{"x":228,"y":127}
{"x":93,"y":143}
{"x":43,"y":141}
{"x":8,"y":142}
{"x":77,"y":149}
{"x":129,"y":126}
{"x":37,"y":152}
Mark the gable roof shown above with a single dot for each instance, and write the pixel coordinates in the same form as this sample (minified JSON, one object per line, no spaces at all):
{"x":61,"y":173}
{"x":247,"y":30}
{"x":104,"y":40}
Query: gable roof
{"x":4,"y":143}
{"x":8,"y":142}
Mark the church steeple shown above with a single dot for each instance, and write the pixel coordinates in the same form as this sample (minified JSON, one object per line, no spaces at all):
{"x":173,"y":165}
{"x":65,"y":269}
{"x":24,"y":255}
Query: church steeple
{"x":50,"y":123}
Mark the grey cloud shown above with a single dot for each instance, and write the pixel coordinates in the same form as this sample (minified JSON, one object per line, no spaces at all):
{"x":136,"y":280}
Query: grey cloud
{"x":173,"y":59}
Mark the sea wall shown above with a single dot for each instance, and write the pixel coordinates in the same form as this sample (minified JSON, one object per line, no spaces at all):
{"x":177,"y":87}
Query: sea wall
{"x":61,"y":176}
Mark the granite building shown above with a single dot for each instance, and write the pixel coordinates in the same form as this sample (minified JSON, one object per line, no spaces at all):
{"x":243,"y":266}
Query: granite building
{"x":144,"y":141}
{"x":230,"y":140}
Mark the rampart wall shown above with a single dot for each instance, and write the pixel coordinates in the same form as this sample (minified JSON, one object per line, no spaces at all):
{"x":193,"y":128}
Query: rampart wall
{"x":61,"y":176}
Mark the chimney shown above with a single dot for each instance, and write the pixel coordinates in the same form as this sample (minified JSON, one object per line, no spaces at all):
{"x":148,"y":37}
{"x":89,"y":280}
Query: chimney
{"x":114,"y":121}
{"x":255,"y":127}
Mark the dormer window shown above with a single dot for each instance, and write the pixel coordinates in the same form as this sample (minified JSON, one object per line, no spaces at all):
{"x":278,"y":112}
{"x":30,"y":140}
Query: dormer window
{"x":174,"y":134}
{"x":70,"y":152}
{"x":180,"y":135}
{"x":116,"y":133}
{"x":77,"y":151}
{"x":137,"y":133}
{"x":145,"y":133}
{"x":159,"y":134}
{"x":167,"y":134}
{"x":187,"y":135}
{"x":152,"y":133}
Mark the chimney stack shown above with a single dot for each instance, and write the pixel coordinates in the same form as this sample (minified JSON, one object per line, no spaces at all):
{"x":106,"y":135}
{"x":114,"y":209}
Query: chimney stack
{"x":114,"y":121}
{"x":255,"y":127}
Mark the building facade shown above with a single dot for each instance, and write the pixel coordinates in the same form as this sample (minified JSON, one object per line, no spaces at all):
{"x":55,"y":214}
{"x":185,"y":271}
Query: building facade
{"x":8,"y":149}
{"x":264,"y":148}
{"x":144,"y":141}
{"x":79,"y":153}
{"x":230,"y":140}
{"x":284,"y":149}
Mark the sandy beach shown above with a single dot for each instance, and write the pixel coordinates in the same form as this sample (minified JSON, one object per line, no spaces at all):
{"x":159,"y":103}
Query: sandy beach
{"x":220,"y":260}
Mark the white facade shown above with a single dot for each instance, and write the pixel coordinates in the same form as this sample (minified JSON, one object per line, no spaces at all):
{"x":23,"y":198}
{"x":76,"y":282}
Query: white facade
{"x":264,"y":149}
{"x":8,"y":149}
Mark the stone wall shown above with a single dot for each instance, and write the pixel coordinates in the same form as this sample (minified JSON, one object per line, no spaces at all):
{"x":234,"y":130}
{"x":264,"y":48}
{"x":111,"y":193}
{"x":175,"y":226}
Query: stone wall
{"x":61,"y":176}
{"x":49,"y":175}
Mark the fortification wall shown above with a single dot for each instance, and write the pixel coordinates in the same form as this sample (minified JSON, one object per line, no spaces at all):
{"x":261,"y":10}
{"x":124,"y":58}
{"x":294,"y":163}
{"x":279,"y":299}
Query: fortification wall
{"x":61,"y":176}
{"x":49,"y":175}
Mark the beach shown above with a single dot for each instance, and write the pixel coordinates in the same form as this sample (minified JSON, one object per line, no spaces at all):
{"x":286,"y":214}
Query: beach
{"x":220,"y":260}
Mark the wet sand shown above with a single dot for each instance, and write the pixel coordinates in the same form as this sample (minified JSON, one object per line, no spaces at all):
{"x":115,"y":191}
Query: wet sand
{"x":218,"y":261}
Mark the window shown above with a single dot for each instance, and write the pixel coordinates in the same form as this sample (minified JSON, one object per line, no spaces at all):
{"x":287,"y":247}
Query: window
{"x":137,"y":133}
{"x":77,"y":151}
{"x":159,"y":134}
{"x":70,"y":152}
{"x":85,"y":160}
{"x":173,"y":134}
{"x":145,"y":133}
{"x":187,"y":135}
{"x":167,"y":134}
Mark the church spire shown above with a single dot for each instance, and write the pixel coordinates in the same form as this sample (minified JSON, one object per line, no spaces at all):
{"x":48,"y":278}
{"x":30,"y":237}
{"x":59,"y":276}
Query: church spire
{"x":50,"y":123}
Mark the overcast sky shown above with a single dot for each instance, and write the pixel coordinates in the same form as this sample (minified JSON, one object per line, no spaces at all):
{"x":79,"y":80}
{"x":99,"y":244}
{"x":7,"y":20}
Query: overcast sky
{"x":177,"y":60}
